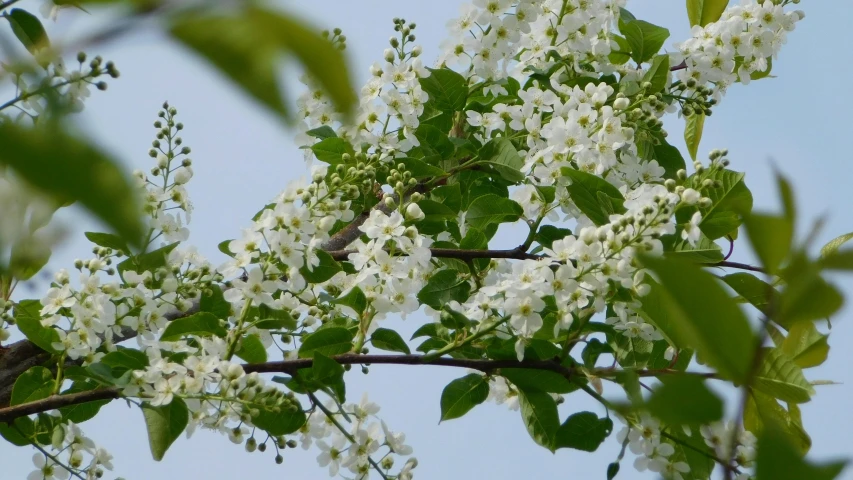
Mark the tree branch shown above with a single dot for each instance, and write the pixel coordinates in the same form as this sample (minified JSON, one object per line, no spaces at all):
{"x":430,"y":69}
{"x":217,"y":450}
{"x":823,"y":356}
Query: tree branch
{"x":292,"y":366}
{"x":742,"y":266}
{"x":458,"y":253}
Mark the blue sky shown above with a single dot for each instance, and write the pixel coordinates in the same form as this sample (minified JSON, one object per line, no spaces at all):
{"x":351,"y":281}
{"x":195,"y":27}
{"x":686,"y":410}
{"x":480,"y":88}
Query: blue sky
{"x":243,"y":157}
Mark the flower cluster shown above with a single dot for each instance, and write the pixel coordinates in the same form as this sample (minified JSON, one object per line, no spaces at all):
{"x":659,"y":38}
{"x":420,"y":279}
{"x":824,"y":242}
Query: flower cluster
{"x":68,"y":452}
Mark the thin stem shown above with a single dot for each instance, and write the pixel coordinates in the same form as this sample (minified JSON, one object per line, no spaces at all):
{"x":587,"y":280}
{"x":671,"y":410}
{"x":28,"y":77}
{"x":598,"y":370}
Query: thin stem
{"x":742,"y":266}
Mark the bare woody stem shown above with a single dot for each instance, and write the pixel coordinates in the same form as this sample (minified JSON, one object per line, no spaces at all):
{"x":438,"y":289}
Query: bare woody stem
{"x":292,"y":366}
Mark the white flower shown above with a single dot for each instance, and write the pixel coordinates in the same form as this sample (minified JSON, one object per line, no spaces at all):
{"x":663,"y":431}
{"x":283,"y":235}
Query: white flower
{"x":47,"y":469}
{"x":331,"y":455}
{"x":691,"y":231}
{"x":254,"y":288}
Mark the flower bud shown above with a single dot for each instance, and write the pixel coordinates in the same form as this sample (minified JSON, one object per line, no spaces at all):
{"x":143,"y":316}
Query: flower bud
{"x":389,"y":55}
{"x":621,"y":103}
{"x":414,"y":212}
{"x":690,"y":196}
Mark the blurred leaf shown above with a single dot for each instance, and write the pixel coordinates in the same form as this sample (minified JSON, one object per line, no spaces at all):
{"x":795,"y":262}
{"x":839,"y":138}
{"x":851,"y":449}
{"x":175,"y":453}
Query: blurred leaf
{"x":807,"y":296}
{"x":833,"y":245}
{"x":703,"y":12}
{"x":778,"y":459}
{"x":668,"y":401}
{"x":463,"y":394}
{"x":693,"y":133}
{"x":702,"y":316}
{"x":757,"y":292}
{"x":68,"y":169}
{"x":165,"y":424}
{"x":761,"y":409}
{"x":538,"y":380}
{"x":583,"y":431}
{"x":108,"y":240}
{"x":771,"y":238}
{"x":28,"y":28}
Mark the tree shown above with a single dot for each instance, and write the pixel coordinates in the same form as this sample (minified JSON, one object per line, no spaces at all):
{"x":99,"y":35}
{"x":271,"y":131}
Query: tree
{"x":550,"y":116}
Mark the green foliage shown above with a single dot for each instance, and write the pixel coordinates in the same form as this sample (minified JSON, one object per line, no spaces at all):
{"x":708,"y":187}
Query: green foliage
{"x":28,"y":318}
{"x":202,"y":324}
{"x":583,"y":431}
{"x":69,"y":169}
{"x":644,"y":38}
{"x":668,"y":401}
{"x":327,"y":341}
{"x":728,"y":204}
{"x":164,"y":424}
{"x":81,"y":412}
{"x":693,"y":133}
{"x":781,"y":378}
{"x":703,"y":12}
{"x":778,"y":459}
{"x":109,"y":240}
{"x":447,"y":89}
{"x":324,"y":270}
{"x":28,"y":29}
{"x":585,"y":191}
{"x":387,"y":339}
{"x":252,"y":350}
{"x":539,"y":413}
{"x":491,"y":209}
{"x":34,"y":384}
{"x":443,"y":287}
{"x":463,"y":394}
{"x":501,"y":155}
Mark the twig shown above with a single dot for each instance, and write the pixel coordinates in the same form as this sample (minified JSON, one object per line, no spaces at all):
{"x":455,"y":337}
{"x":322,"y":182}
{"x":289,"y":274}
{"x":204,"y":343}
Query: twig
{"x":742,"y":266}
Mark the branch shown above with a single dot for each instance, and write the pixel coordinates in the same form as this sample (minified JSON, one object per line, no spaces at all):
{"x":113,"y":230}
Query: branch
{"x":742,"y":266}
{"x":680,"y":66}
{"x":461,"y":254}
{"x":292,"y":366}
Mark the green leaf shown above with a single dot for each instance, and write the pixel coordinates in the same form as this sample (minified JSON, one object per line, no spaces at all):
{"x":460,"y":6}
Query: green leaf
{"x":833,"y":245}
{"x":19,"y":432}
{"x":320,"y":57}
{"x":326,"y":370}
{"x":754,"y":290}
{"x":108,"y":240}
{"x":807,"y":297}
{"x":387,"y":339}
{"x":703,"y":12}
{"x":705,"y":250}
{"x":547,"y":234}
{"x":781,"y":378}
{"x":701,"y":315}
{"x":463,"y":394}
{"x":761,"y":410}
{"x":165,"y":424}
{"x":447,"y":89}
{"x":328,"y":341}
{"x":492,"y":209}
{"x":594,"y":348}
{"x":631,"y":351}
{"x":538,"y":380}
{"x":272,"y":319}
{"x":28,"y":319}
{"x":729,"y":202}
{"x":27,"y":259}
{"x":805,"y":345}
{"x":539,"y":413}
{"x":778,"y":459}
{"x":500,"y":154}
{"x":81,"y":412}
{"x":34,"y":384}
{"x":126,"y":358}
{"x":584,"y":191}
{"x":444,"y":286}
{"x":693,"y":133}
{"x":645,"y":39}
{"x":700,"y":465}
{"x":620,"y":53}
{"x":68,"y":169}
{"x":281,"y":422}
{"x":326,"y":269}
{"x":354,"y":299}
{"x":322,"y":132}
{"x":657,"y":74}
{"x":434,"y":141}
{"x":150,"y":261}
{"x":771,"y":238}
{"x":29,"y":30}
{"x":252,"y":350}
{"x":331,"y":150}
{"x":668,"y":401}
{"x":583,"y":431}
{"x":215,"y":303}
{"x":420,"y":168}
{"x":202,"y":324}
{"x":669,"y":158}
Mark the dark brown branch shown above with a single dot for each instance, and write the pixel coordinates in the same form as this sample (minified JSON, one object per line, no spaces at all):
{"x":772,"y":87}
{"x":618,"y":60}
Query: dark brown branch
{"x":742,"y":266}
{"x":680,"y":66}
{"x":461,"y":254}
{"x":291,"y":366}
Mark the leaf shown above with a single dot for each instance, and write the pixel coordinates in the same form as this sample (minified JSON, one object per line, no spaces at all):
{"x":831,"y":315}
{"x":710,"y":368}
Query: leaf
{"x":805,"y":345}
{"x":109,"y":240}
{"x":252,"y":350}
{"x":326,"y":370}
{"x":81,"y":412}
{"x":761,"y":410}
{"x":684,"y":400}
{"x":215,"y":303}
{"x":781,"y":378}
{"x":583,"y":431}
{"x":326,"y":269}
{"x":500,"y":154}
{"x":778,"y":459}
{"x":584,"y":191}
{"x":68,"y":169}
{"x":322,"y":132}
{"x":28,"y":258}
{"x":729,"y":202}
{"x":463,"y":394}
{"x":387,"y":339}
{"x":281,"y":422}
{"x":703,"y":12}
{"x":28,"y":319}
{"x":150,"y":261}
{"x":19,"y":432}
{"x":669,"y":158}
{"x":447,"y":89}
{"x":331,"y":150}
{"x":28,"y":29}
{"x":34,"y":384}
{"x":444,"y":286}
{"x":420,"y":168}
{"x":492,"y":209}
{"x":645,"y":39}
{"x":807,"y":297}
{"x":272,"y":319}
{"x":705,"y":250}
{"x":434,"y":141}
{"x":833,"y":245}
{"x":354,"y":299}
{"x":328,"y":341}
{"x":320,"y":57}
{"x":657,"y":74}
{"x":547,"y":234}
{"x":701,"y":315}
{"x":165,"y":424}
{"x":202,"y":324}
{"x":693,"y":133}
{"x":754,"y":290}
{"x":539,"y":413}
{"x":126,"y":359}
{"x":538,"y":380}
{"x":770,"y":237}
{"x":700,"y":465}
